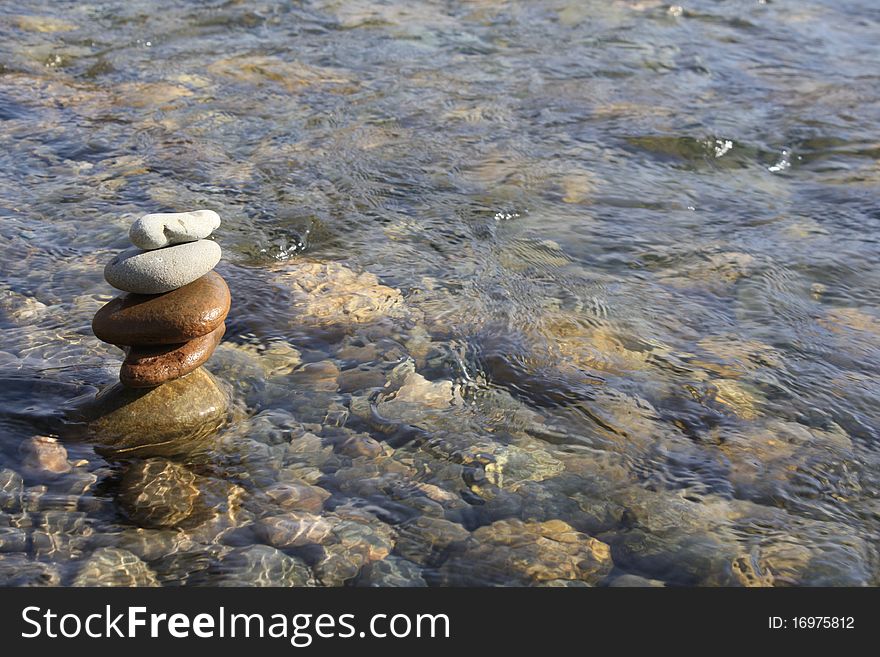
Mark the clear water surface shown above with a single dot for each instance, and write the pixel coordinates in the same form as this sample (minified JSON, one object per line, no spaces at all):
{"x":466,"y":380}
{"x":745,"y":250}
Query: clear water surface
{"x":634,"y":247}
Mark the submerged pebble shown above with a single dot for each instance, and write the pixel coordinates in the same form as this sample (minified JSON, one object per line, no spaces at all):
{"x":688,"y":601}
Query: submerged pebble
{"x":527,"y":553}
{"x":111,"y":566}
{"x":18,"y":570}
{"x":298,"y":496}
{"x":159,"y":493}
{"x":293,"y":529}
{"x":11,"y":490}
{"x":260,"y":565}
{"x":44,"y":454}
{"x":392,"y":571}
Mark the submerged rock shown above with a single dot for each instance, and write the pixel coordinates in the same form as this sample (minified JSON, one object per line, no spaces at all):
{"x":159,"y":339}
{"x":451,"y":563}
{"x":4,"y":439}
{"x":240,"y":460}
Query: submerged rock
{"x":361,"y":378}
{"x":358,"y":538}
{"x":189,"y":566}
{"x":508,"y":466}
{"x":252,"y":69}
{"x":153,"y":544}
{"x":782,"y":461}
{"x":20,"y":309}
{"x":293,"y":529}
{"x":159,"y":493}
{"x":777,"y":564}
{"x":372,"y":540}
{"x":114,"y":567}
{"x":425,"y":540}
{"x":416,"y":389}
{"x":17,"y":570}
{"x":329,"y":293}
{"x":13,"y":539}
{"x":60,"y":535}
{"x":166,"y":420}
{"x":738,"y":397}
{"x":260,"y":565}
{"x":298,"y":496}
{"x":43,"y":24}
{"x":354,"y":445}
{"x":635,"y":581}
{"x":44,"y":455}
{"x":277,"y":358}
{"x":512,"y":552}
{"x":392,"y":571}
{"x":11,"y":490}
{"x":316,"y":377}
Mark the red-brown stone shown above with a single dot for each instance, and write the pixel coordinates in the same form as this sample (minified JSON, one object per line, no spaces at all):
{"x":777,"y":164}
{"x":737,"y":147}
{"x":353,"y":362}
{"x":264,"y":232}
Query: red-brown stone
{"x":146,"y":367}
{"x":172,"y":318}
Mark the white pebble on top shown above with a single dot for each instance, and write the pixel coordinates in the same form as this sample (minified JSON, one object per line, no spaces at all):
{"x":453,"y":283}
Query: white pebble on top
{"x":155,"y":231}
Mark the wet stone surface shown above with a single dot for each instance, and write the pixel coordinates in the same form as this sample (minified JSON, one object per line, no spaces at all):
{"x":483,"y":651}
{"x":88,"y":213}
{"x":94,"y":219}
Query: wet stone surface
{"x":164,"y":420}
{"x":114,"y":567}
{"x":188,"y":312}
{"x":147,"y":367}
{"x":529,"y":553}
{"x":260,"y":565}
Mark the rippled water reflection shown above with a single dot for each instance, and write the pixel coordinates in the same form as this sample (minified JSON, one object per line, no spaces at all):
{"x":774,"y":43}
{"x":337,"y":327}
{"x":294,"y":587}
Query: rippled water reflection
{"x":602,"y":301}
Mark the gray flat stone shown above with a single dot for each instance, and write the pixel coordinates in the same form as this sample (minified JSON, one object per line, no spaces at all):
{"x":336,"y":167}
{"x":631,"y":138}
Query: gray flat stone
{"x":155,"y":231}
{"x":161,"y":270}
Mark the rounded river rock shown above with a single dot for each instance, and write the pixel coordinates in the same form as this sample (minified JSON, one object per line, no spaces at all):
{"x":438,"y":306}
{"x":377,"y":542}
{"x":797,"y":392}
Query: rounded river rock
{"x":169,"y":420}
{"x":173,"y":318}
{"x":145,"y":367}
{"x":162,"y":270}
{"x":154,"y":231}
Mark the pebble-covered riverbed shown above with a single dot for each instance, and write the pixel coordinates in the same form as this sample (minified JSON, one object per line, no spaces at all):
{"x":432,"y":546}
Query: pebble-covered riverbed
{"x":552,"y":292}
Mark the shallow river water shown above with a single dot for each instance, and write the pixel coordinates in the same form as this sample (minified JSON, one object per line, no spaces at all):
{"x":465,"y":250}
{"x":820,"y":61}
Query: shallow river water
{"x":559,"y":292}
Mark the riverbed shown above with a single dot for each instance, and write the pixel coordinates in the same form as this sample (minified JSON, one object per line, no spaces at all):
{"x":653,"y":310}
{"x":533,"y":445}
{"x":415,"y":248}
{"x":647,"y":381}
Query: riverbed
{"x":524,"y":293}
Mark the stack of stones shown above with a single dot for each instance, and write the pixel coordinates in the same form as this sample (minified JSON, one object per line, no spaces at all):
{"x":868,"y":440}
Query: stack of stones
{"x":168,"y":322}
{"x":171,"y":317}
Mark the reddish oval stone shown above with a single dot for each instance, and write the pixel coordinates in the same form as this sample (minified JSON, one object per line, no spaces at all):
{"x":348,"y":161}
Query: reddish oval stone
{"x":172,"y":318}
{"x":147,"y":367}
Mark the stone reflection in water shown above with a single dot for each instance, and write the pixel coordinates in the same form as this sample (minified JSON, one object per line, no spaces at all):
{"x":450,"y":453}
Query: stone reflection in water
{"x":160,"y":493}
